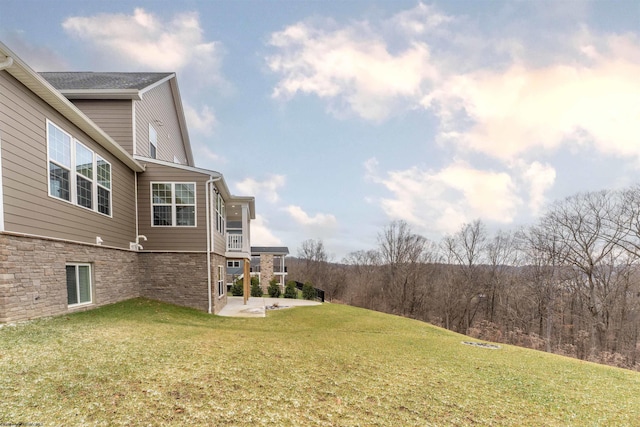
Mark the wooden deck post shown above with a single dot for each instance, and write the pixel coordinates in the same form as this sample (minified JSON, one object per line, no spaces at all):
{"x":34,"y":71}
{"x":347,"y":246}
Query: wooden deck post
{"x":247,"y":280}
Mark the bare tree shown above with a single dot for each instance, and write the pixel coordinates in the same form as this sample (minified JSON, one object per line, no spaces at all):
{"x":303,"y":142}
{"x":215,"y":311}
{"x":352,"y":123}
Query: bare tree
{"x":540,"y":276}
{"x":401,"y":253}
{"x":467,"y":250}
{"x":590,"y":241}
{"x":316,"y":268}
{"x":501,"y":257}
{"x":362,"y":279}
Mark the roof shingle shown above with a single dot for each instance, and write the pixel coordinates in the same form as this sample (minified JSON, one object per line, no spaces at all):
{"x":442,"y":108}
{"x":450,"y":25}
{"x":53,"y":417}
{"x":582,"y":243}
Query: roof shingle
{"x":102,"y":81}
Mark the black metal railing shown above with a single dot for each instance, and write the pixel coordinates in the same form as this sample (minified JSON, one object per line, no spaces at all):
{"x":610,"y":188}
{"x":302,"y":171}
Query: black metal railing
{"x":319,"y":292}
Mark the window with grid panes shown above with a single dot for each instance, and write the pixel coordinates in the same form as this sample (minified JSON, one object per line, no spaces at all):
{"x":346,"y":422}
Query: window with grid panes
{"x":173,"y":204}
{"x":76,"y":173}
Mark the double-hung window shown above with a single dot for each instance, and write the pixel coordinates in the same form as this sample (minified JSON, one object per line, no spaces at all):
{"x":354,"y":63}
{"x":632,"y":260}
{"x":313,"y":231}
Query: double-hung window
{"x":173,"y":204}
{"x":220,"y":214}
{"x":78,"y":284}
{"x":76,"y":173}
{"x":104,"y":186}
{"x":84,"y":176}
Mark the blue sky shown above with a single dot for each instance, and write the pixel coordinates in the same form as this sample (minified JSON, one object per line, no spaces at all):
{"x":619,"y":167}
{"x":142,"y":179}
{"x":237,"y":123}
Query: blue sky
{"x":341,"y":116}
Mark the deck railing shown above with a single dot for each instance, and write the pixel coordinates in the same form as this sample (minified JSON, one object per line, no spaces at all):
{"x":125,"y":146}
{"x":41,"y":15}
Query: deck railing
{"x":234,"y":242}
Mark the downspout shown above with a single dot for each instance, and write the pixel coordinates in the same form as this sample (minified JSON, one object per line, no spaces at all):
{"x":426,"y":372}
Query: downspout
{"x":208,"y":185}
{"x":135,"y":190}
{"x":8,"y":62}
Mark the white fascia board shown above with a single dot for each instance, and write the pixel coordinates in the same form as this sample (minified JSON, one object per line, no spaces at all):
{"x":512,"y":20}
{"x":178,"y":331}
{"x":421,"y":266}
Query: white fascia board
{"x":156,"y":84}
{"x":126,"y":94}
{"x":220,"y":184}
{"x":143,"y":160}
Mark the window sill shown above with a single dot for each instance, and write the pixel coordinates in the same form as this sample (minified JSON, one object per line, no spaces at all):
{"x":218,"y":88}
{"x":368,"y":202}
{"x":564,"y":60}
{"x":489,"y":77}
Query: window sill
{"x":79,"y":306}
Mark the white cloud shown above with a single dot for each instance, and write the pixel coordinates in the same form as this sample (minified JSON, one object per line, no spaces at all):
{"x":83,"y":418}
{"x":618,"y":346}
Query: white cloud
{"x":497,"y":95}
{"x":523,"y":109}
{"x":440,"y":201}
{"x":260,"y":233}
{"x":145,"y":41}
{"x":539,"y":178}
{"x":203,"y":121}
{"x":207,"y":158}
{"x":352,"y":67}
{"x":319,"y":220}
{"x":265,"y":190}
{"x":420,"y":20}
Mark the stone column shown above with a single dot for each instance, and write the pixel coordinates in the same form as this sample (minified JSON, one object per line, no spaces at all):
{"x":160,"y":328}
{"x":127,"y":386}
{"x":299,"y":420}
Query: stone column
{"x":266,"y":270}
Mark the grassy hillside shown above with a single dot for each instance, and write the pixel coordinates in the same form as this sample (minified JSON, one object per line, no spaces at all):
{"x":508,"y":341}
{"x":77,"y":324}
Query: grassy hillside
{"x":145,"y":363}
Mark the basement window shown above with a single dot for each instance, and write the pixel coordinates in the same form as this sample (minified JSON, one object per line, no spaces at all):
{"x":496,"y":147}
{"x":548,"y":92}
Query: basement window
{"x":78,"y":284}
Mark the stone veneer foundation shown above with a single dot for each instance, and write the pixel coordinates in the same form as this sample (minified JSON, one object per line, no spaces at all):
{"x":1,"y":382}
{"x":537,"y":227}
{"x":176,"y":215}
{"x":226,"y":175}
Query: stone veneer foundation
{"x":266,"y":271}
{"x":33,"y":277}
{"x":181,"y":278}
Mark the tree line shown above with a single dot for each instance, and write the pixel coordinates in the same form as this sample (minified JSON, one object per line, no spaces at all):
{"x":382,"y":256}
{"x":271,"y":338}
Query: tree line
{"x":568,"y":284}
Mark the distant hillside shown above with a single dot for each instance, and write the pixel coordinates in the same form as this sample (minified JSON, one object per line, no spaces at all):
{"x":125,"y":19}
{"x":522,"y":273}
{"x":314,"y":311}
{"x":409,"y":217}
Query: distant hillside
{"x":535,"y":306}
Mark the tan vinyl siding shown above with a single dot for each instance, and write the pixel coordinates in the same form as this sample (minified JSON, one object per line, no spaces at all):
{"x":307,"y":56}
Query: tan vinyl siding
{"x":172,"y":238}
{"x":28,"y":208}
{"x":115,"y":117}
{"x":157,"y":108}
{"x":219,"y":242}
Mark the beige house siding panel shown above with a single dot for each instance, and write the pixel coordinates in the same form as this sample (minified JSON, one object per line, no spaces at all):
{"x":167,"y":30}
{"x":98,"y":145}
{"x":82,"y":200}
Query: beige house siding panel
{"x":172,"y":238}
{"x":219,"y":242}
{"x":28,"y":208}
{"x":115,"y":117}
{"x":157,"y":108}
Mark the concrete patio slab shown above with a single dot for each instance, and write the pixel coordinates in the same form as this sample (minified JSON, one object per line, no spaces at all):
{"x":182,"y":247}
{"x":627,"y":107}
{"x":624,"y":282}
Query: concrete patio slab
{"x":256,"y":306}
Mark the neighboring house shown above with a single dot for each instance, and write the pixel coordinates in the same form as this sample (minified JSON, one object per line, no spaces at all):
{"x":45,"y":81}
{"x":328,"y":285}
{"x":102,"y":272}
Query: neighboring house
{"x":268,"y":262}
{"x":100,"y":200}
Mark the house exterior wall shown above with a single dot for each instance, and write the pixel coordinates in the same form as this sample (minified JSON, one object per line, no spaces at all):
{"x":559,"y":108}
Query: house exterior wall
{"x":172,"y":238}
{"x":33,"y":276}
{"x":28,"y":208}
{"x":40,"y":234}
{"x":115,"y":117}
{"x":157,"y":108}
{"x":181,"y":278}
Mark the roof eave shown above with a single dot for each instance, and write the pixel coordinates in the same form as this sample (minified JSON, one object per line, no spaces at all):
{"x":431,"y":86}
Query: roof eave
{"x":222,"y":184}
{"x":181,"y":119}
{"x":45,"y":91}
{"x":118,"y":94}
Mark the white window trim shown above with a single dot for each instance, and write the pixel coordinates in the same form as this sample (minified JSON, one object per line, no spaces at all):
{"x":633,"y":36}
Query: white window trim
{"x":173,"y":204}
{"x":220,"y":214}
{"x":81,"y":264}
{"x":98,"y":185}
{"x":73,"y":181}
{"x":74,"y":176}
{"x":222,"y":288}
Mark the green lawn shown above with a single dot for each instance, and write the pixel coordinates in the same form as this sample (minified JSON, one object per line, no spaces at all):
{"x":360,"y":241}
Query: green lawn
{"x":145,"y":363}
